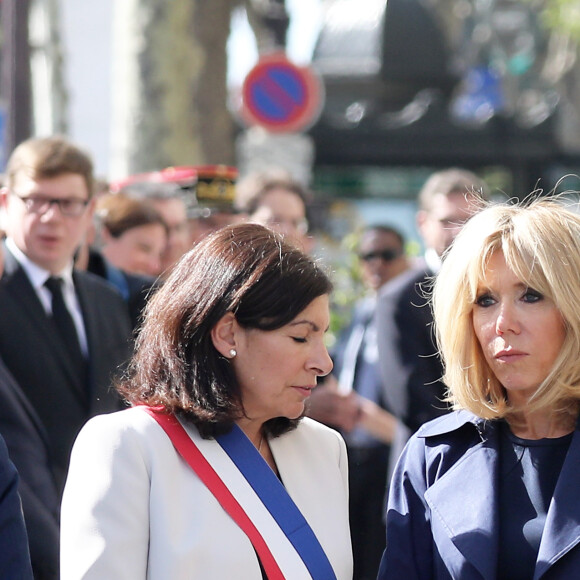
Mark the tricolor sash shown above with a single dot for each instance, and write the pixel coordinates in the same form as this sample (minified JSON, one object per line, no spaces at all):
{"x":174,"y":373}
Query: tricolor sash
{"x":249,"y":491}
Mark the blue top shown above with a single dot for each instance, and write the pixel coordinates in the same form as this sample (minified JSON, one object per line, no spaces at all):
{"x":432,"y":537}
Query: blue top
{"x":529,"y":470}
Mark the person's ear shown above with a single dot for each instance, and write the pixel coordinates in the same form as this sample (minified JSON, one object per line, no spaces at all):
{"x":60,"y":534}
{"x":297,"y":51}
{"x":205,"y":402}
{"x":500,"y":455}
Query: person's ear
{"x":223,"y":335}
{"x":421,"y":219}
{"x":91,"y":207}
{"x":4,"y":192}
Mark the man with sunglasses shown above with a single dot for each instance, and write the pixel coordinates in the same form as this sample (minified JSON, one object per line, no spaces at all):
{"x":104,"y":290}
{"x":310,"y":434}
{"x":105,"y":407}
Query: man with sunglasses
{"x":63,"y":333}
{"x":382,"y":255}
{"x":351,"y":399}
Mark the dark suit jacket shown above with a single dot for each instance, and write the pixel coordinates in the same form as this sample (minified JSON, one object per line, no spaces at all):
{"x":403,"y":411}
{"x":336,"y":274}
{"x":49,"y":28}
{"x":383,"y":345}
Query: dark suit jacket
{"x":28,"y":448}
{"x":409,"y":364}
{"x":40,"y":364}
{"x":14,"y":558}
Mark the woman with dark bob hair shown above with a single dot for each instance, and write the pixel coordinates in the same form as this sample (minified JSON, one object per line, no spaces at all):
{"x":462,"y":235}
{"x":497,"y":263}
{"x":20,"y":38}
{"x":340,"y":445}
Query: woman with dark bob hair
{"x":490,"y":491}
{"x":230,"y":349}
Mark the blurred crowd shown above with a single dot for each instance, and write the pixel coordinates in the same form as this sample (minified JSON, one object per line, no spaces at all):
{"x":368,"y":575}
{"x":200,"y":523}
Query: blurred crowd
{"x":82,"y":258}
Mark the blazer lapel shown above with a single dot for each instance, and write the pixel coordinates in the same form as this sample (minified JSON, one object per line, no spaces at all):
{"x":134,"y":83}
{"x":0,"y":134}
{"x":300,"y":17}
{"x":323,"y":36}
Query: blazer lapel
{"x":562,"y":528}
{"x":465,"y":500}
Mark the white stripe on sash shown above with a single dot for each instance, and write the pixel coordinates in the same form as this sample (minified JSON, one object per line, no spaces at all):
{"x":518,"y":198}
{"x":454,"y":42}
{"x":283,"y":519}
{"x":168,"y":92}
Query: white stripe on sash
{"x":286,"y":556}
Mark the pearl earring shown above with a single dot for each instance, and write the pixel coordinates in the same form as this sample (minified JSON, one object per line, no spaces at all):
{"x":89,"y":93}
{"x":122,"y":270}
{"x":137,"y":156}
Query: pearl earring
{"x":233,"y":352}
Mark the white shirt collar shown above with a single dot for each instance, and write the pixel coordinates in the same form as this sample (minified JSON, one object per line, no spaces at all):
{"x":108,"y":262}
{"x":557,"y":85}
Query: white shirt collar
{"x":432,"y":260}
{"x":35,"y":273}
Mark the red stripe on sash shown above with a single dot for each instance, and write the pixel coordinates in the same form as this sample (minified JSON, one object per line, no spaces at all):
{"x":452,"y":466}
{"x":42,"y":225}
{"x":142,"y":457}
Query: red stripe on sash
{"x":193,"y":456}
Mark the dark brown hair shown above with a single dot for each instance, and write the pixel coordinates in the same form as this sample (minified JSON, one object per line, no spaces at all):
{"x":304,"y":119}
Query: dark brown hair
{"x":246,"y":269}
{"x":119,"y":213}
{"x":385,"y":229}
{"x":254,"y":198}
{"x":48,"y":157}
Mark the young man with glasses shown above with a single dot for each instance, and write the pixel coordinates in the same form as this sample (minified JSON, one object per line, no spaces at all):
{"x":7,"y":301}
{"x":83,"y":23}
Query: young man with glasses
{"x":63,"y":333}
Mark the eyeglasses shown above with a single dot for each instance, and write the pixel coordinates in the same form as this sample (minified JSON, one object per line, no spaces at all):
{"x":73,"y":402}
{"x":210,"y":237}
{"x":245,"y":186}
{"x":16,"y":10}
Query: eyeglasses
{"x":387,"y":255}
{"x":71,"y":206}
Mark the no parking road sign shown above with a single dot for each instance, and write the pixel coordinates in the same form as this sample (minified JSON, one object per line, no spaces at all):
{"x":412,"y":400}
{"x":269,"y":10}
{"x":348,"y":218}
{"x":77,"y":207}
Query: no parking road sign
{"x":281,"y":96}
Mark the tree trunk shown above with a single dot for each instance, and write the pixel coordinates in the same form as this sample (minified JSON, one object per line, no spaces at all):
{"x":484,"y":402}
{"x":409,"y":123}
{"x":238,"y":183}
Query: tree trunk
{"x":15,"y":76}
{"x":170,"y":79}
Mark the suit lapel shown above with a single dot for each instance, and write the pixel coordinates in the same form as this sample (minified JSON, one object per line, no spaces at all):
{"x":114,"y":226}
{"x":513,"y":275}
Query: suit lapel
{"x":88,"y":313}
{"x":465,"y":500}
{"x":562,"y":529}
{"x":87,"y":300}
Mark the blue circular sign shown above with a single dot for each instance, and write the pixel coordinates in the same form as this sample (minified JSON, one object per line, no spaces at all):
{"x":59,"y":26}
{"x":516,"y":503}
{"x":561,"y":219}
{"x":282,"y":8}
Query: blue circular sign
{"x":280,"y":95}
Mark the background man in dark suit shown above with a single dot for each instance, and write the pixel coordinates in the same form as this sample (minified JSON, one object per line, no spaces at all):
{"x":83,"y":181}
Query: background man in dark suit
{"x":63,"y":333}
{"x":408,"y":360}
{"x":28,"y":449}
{"x":356,"y":381}
{"x":27,"y":444}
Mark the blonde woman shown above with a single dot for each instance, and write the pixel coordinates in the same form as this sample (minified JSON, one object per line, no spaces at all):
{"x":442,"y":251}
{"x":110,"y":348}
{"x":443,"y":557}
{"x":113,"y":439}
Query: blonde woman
{"x":491,"y":490}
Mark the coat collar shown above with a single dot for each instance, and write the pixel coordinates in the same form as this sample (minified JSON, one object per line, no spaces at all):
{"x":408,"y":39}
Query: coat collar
{"x":452,"y":422}
{"x":562,"y":529}
{"x":465,"y":500}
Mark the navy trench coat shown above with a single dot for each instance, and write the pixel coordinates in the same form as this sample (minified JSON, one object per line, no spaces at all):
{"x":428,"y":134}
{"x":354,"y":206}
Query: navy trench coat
{"x":442,"y":514}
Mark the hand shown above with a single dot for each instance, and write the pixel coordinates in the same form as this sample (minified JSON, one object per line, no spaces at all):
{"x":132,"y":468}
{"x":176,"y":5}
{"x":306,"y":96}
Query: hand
{"x":377,"y":421}
{"x":329,"y":406}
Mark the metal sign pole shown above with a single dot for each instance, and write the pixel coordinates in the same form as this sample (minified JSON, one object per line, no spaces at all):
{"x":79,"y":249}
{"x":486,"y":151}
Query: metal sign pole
{"x":15,"y":74}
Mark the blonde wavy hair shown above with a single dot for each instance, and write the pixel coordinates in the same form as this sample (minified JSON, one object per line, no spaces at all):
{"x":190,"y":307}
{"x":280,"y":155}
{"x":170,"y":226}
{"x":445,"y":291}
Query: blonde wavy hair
{"x":540,"y":241}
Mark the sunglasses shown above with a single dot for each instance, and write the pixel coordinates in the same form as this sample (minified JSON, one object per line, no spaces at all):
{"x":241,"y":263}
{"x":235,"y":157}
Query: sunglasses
{"x":387,"y":255}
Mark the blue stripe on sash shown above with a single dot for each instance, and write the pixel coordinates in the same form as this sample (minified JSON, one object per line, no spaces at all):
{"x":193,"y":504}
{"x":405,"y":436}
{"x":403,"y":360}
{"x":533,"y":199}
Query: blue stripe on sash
{"x":277,"y":501}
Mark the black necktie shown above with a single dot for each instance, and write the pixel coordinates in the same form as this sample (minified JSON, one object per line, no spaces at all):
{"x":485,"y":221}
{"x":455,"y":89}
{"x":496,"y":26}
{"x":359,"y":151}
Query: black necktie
{"x":64,"y":322}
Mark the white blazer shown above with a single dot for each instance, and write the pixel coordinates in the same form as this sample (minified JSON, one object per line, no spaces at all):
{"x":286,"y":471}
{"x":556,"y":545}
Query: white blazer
{"x":134,"y":510}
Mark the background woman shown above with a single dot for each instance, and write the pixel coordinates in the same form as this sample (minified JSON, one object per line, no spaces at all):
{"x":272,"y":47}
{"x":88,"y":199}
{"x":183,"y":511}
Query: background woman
{"x":491,"y":490}
{"x":232,"y":344}
{"x":277,"y":201}
{"x":133,"y":235}
{"x":125,"y":247}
